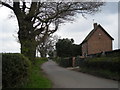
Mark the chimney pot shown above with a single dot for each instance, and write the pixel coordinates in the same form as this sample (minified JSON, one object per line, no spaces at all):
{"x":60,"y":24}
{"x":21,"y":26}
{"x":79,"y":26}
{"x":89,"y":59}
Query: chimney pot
{"x":95,"y":25}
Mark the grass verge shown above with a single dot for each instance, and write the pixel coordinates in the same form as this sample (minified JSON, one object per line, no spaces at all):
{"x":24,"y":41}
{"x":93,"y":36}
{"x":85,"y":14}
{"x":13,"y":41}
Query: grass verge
{"x":37,"y":78}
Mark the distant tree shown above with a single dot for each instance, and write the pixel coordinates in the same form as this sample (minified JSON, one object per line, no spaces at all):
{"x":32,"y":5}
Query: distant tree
{"x":77,"y":50}
{"x":47,"y":46}
{"x":66,"y":48}
{"x":36,"y":18}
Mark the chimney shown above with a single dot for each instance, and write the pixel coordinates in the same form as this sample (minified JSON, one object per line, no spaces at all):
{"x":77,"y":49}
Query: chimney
{"x":95,"y":25}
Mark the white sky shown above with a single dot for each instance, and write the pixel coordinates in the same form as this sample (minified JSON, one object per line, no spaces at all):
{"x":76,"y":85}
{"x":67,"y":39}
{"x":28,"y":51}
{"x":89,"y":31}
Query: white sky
{"x":77,"y":30}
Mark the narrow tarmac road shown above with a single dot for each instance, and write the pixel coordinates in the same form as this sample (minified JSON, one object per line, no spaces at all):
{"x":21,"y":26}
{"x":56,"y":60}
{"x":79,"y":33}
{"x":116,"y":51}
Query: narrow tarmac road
{"x":64,"y":78}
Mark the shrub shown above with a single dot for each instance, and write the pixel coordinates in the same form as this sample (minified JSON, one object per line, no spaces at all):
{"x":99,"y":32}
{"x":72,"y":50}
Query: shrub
{"x":57,"y":59}
{"x":65,"y":62}
{"x":112,"y":63}
{"x":108,"y":67}
{"x":15,"y":69}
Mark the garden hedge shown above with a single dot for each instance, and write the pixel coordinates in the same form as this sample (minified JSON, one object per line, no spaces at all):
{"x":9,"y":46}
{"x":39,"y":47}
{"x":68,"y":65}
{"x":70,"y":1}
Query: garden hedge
{"x":15,"y":69}
{"x":107,"y":63}
{"x":65,"y":62}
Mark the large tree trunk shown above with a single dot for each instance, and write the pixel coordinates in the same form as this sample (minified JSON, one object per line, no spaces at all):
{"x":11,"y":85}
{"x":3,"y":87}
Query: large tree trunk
{"x":27,"y":39}
{"x":43,"y":54}
{"x":28,"y":48}
{"x":26,"y":31}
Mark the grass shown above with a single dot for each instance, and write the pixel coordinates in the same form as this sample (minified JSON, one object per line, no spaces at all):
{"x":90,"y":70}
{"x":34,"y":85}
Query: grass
{"x":37,"y":78}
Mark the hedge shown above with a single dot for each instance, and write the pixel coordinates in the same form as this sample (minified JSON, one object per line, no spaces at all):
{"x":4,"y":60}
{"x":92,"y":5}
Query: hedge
{"x":112,"y":63}
{"x":65,"y":62}
{"x":15,"y":69}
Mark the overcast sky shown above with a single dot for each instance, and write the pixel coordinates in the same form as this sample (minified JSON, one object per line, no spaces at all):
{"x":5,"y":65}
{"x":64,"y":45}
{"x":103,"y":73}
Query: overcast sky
{"x":107,"y":18}
{"x":78,"y":30}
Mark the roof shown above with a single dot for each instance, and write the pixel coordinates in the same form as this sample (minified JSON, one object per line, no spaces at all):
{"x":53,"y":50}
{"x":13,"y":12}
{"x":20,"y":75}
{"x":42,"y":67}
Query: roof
{"x":91,"y":33}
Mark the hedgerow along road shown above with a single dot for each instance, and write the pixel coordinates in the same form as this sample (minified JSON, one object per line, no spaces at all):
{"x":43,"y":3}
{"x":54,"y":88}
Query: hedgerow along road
{"x":64,"y":78}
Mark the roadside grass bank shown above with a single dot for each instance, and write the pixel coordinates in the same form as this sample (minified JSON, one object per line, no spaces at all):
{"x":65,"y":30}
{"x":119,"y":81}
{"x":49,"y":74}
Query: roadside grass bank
{"x":37,"y":79}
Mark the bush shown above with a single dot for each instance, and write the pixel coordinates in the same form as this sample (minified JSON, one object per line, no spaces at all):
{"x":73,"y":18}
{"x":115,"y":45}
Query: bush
{"x":112,"y":63}
{"x":108,"y":67}
{"x":65,"y":62}
{"x":15,"y":69}
{"x":57,"y":59}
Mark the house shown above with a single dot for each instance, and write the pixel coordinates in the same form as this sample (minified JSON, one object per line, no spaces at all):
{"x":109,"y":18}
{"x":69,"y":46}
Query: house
{"x":97,"y":41}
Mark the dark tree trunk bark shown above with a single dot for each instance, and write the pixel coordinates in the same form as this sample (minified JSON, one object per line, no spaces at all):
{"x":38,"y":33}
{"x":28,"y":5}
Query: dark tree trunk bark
{"x":28,"y":48}
{"x":42,"y":53}
{"x":26,"y":34}
{"x":27,"y":39}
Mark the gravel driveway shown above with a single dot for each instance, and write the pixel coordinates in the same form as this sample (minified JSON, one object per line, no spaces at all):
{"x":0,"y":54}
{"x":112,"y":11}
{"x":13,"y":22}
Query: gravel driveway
{"x":64,"y":78}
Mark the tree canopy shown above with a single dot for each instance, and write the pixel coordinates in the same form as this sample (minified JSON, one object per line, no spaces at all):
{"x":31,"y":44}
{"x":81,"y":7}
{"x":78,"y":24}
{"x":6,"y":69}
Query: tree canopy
{"x":66,"y":48}
{"x":47,"y":47}
{"x":44,"y":18}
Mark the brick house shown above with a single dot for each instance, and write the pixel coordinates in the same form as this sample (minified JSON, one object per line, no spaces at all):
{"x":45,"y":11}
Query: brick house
{"x":97,"y":41}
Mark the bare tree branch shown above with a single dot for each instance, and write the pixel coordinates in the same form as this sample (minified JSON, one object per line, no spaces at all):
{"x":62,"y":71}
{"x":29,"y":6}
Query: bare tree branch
{"x":7,"y":5}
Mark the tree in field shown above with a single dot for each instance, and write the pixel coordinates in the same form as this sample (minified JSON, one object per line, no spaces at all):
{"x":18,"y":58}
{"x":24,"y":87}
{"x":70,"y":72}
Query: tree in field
{"x":39,"y":18}
{"x":66,"y":48}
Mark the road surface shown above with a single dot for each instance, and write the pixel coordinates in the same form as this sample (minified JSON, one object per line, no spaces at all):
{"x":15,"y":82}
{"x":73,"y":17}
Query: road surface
{"x":64,"y":78}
